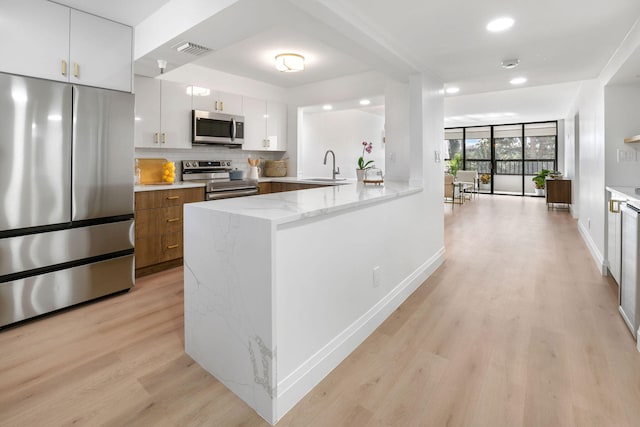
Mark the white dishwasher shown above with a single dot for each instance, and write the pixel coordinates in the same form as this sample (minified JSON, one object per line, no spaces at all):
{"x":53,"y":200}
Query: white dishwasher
{"x":629,"y":295}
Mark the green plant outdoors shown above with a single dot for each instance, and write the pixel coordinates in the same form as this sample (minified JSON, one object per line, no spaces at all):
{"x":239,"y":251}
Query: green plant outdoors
{"x":540,"y":178}
{"x":455,"y":164}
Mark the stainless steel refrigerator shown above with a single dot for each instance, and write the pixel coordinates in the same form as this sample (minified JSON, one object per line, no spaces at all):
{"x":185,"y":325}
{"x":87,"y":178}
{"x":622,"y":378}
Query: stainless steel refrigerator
{"x":66,"y":195}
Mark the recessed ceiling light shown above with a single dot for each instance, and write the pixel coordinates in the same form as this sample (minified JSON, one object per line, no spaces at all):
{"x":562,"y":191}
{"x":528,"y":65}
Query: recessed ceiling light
{"x":518,"y":81}
{"x":500,"y":24}
{"x":452,"y":89}
{"x":327,"y":107}
{"x":365,"y":102}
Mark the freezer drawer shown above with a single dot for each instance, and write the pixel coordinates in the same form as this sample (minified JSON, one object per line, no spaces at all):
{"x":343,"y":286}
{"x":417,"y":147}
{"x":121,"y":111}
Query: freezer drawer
{"x":42,"y":250}
{"x":32,"y":296}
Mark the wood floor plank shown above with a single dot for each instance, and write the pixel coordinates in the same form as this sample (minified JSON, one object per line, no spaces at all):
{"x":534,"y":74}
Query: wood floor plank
{"x":517,"y":328}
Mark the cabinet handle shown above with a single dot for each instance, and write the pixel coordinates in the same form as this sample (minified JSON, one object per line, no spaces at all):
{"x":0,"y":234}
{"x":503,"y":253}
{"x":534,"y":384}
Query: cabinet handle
{"x":156,"y":138}
{"x":172,"y":246}
{"x":221,"y":105}
{"x":173,"y":220}
{"x":216,"y":109}
{"x":173,"y":197}
{"x":64,"y":67}
{"x":611,"y":209}
{"x":164,"y":138}
{"x":76,"y":70}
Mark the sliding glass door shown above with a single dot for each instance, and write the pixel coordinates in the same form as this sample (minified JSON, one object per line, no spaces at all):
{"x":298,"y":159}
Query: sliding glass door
{"x":505,"y":156}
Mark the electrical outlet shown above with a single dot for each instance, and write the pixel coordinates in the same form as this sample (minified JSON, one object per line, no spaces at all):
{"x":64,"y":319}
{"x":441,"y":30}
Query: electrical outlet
{"x":376,"y":276}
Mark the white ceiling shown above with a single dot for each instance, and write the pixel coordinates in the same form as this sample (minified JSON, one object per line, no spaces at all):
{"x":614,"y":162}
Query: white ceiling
{"x":556,"y":41}
{"x":124,"y":11}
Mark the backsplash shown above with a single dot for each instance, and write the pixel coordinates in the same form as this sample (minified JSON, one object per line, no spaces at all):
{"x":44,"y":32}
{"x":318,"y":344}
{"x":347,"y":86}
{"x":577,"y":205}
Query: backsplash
{"x":238,"y":157}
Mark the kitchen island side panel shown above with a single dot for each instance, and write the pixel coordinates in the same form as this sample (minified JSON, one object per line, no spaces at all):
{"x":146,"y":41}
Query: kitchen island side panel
{"x":228,"y":302}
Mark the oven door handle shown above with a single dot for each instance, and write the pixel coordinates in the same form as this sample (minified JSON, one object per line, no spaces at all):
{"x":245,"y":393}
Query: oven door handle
{"x":228,"y":194}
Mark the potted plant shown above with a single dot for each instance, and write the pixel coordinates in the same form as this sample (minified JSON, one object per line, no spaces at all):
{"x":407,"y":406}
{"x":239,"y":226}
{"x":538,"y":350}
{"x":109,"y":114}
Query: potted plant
{"x":485,"y":181}
{"x":539,"y":181}
{"x":362,"y":165}
{"x":455,"y":164}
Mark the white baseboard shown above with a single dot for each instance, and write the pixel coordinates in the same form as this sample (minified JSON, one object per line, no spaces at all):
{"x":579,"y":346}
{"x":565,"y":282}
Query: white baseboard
{"x":595,"y":253}
{"x":296,"y":385}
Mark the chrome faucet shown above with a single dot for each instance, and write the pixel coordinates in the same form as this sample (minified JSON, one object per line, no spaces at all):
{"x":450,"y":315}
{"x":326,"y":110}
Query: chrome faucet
{"x":334,"y":171}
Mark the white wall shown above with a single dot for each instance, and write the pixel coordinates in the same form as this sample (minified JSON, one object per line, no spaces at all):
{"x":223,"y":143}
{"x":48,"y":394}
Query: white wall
{"x":590,"y":160}
{"x":622,"y":120}
{"x":343,"y":132}
{"x":397,"y":147}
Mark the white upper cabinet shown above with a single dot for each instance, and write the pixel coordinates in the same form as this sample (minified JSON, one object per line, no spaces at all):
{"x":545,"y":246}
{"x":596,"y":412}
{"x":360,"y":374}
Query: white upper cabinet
{"x":265,"y":125}
{"x":34,"y":39}
{"x":206,"y":99}
{"x":99,"y":52}
{"x":163,"y":114}
{"x":43,"y":39}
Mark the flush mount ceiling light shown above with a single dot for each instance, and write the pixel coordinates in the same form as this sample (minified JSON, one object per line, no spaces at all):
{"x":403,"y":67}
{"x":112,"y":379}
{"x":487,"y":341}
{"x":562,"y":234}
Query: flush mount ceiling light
{"x":452,"y":89}
{"x":289,"y":62}
{"x":518,"y":81}
{"x":510,"y":63}
{"x":500,"y":24}
{"x":365,"y":102}
{"x":327,"y":107}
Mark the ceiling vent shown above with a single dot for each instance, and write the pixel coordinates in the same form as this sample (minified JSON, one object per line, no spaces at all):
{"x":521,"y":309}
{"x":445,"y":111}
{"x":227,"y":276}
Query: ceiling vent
{"x":191,"y":48}
{"x":510,"y":63}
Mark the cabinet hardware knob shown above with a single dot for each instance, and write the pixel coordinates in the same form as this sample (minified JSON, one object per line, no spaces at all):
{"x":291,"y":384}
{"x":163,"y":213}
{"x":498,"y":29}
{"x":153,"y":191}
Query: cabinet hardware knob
{"x":64,"y":67}
{"x":173,"y":220}
{"x":173,"y":197}
{"x":156,"y":137}
{"x":76,"y":70}
{"x":172,"y":246}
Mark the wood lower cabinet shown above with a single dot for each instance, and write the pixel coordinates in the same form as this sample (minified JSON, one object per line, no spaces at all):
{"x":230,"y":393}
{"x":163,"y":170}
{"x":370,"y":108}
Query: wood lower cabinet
{"x":278,"y":187}
{"x":264,"y":188}
{"x":558,"y":191}
{"x":159,"y":221}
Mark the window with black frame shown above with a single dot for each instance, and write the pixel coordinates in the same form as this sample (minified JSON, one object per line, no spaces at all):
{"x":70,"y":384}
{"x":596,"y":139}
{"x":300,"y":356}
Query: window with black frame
{"x":505,"y":156}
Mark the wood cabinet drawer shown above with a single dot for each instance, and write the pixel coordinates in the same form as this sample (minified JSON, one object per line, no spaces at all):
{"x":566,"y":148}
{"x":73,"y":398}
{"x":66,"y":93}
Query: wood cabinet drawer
{"x":166,"y":198}
{"x":159,"y":248}
{"x":150,"y":222}
{"x":264,"y":187}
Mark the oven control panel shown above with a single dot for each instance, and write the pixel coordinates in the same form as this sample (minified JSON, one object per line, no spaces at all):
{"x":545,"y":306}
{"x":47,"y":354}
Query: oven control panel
{"x":205,"y":164}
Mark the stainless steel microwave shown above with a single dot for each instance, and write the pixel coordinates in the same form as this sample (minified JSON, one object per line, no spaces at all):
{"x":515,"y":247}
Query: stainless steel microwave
{"x":217,"y":128}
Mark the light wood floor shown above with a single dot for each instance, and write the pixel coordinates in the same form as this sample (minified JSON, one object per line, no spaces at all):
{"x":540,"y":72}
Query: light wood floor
{"x":517,"y":328}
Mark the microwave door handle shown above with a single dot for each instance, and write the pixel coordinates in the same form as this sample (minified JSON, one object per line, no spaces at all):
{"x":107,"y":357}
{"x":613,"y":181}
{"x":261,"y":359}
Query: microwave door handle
{"x":233,"y":129}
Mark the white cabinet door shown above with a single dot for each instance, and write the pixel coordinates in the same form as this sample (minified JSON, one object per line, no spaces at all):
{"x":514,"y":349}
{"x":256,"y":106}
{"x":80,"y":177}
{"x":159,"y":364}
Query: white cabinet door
{"x":254,"y":124}
{"x":614,"y":240}
{"x":34,"y":38}
{"x":100,"y":52}
{"x":276,"y":137}
{"x":230,"y":103}
{"x":175,"y":115}
{"x":147,"y":112}
{"x":203,"y":98}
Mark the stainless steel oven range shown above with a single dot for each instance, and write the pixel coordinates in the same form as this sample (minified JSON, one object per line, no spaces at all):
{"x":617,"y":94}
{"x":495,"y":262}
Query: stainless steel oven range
{"x":215,"y":174}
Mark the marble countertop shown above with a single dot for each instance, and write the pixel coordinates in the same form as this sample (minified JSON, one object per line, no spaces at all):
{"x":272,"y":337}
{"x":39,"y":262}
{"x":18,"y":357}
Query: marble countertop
{"x":178,"y":185}
{"x":311,"y":180}
{"x":292,"y":206}
{"x":628,"y":192}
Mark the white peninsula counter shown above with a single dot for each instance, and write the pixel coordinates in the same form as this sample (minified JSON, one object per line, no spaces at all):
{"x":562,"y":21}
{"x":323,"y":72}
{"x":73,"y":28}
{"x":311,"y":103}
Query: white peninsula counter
{"x":280,"y":288}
